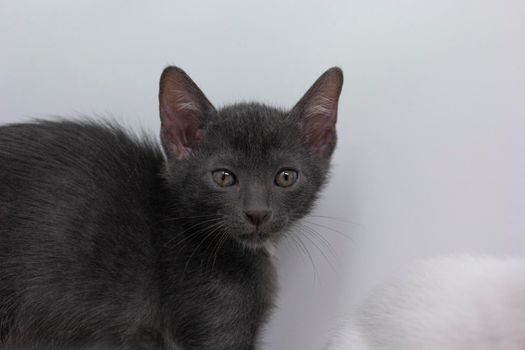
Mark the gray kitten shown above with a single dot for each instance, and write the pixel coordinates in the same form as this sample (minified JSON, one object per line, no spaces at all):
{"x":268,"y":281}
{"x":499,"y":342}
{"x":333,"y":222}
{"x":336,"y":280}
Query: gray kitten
{"x":109,"y":241}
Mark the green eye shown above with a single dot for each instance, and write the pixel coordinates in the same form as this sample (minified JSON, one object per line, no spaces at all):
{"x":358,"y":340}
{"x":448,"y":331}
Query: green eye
{"x":224,"y":178}
{"x":286,"y":178}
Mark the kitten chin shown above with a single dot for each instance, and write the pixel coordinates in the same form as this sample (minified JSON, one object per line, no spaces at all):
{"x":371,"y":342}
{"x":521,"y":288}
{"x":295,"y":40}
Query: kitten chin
{"x":267,"y":244}
{"x":453,"y":303}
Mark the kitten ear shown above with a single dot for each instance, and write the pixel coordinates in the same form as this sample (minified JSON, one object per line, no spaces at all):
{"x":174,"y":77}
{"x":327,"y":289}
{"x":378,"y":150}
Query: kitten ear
{"x":316,"y":112}
{"x":184,"y":110}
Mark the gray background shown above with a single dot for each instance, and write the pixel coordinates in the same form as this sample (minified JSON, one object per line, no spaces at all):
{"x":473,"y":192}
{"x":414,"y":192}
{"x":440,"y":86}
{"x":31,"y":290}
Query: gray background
{"x":432,"y":117}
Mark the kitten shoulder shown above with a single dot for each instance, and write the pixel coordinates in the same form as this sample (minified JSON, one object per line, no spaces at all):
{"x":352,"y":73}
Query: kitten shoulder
{"x":452,"y":303}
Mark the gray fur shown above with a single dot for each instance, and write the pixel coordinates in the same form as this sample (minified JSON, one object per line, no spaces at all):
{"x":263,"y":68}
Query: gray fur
{"x":106,"y":242}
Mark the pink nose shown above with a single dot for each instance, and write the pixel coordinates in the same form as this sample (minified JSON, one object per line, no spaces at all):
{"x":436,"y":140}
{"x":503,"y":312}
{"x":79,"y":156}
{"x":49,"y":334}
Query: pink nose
{"x":257,"y":217}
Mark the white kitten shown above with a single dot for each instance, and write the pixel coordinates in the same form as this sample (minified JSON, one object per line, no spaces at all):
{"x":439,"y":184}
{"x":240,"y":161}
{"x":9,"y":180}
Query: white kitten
{"x":462,"y":303}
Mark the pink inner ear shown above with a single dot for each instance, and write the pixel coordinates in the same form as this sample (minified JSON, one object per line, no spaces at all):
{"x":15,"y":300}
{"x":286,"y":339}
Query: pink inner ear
{"x":316,"y":111}
{"x":184,"y":110}
{"x":320,"y":137}
{"x":181,"y":130}
{"x":319,"y":118}
{"x":176,"y":147}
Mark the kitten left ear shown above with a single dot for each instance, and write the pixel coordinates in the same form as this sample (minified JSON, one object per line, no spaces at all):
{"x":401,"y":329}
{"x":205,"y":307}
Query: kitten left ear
{"x":316,"y":112}
{"x":184,"y":110}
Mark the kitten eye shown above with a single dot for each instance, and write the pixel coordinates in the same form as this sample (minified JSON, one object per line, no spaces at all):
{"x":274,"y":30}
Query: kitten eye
{"x":224,"y":178}
{"x":286,"y":178}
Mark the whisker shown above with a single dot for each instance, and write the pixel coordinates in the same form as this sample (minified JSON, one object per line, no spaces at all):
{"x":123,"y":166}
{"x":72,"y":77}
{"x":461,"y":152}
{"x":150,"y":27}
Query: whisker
{"x":188,"y":217}
{"x":205,"y":231}
{"x":193,"y":234}
{"x":296,"y":244}
{"x":328,"y":228}
{"x":222,"y":240}
{"x":319,"y":237}
{"x":334,"y":218}
{"x":310,"y":239}
{"x":209,"y":234}
{"x":301,"y":243}
{"x":214,"y":244}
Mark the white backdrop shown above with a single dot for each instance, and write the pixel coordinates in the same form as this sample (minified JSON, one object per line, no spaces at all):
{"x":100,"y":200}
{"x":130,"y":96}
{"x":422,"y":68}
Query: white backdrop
{"x":432,"y":117}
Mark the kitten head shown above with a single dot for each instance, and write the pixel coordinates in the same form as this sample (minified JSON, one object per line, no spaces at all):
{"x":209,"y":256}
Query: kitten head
{"x":246,"y":169}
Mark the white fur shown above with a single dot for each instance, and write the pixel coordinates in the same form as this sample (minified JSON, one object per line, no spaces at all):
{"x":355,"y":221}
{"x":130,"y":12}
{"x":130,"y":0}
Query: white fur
{"x":462,"y":303}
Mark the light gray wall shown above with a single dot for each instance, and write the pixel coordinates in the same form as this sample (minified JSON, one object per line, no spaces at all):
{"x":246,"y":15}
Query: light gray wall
{"x":432,"y":118}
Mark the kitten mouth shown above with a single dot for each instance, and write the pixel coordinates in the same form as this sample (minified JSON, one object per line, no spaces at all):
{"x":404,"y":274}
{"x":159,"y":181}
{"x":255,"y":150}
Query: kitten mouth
{"x":255,"y":238}
{"x":256,"y":235}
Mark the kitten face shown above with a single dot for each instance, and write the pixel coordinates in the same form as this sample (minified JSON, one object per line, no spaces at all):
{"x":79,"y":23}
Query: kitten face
{"x":255,"y":145}
{"x":249,"y":169}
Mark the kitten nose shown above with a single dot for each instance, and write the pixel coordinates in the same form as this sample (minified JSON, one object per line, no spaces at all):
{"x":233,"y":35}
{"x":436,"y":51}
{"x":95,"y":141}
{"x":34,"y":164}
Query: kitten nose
{"x":257,"y":217}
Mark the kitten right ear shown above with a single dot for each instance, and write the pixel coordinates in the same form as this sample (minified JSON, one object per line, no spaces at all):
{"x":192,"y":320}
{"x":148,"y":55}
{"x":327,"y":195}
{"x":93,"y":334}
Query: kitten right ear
{"x":316,"y":112}
{"x":184,"y":110}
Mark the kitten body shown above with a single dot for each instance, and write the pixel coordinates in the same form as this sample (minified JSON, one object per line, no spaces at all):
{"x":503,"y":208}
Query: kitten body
{"x":106,"y":241}
{"x":453,"y":303}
